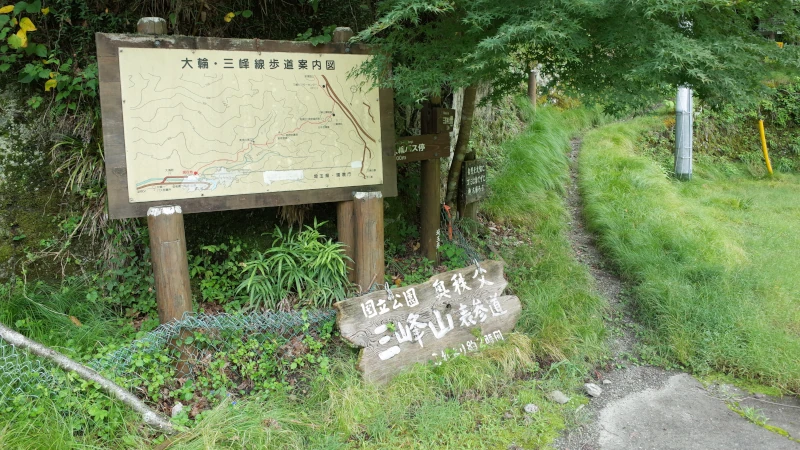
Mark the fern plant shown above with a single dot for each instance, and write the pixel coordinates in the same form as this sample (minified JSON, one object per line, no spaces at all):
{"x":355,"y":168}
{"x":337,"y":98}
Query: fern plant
{"x":300,"y":269}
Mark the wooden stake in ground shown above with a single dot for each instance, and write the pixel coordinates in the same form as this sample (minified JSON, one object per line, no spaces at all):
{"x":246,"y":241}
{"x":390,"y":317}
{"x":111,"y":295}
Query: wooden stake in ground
{"x":149,"y":416}
{"x":533,"y":83}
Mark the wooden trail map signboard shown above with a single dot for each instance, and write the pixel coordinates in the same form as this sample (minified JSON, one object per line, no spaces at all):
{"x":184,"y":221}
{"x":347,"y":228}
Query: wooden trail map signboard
{"x":453,"y":313}
{"x":214,"y":124}
{"x":473,"y":180}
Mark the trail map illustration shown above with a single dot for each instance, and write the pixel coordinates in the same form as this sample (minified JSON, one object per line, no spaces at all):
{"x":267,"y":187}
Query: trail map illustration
{"x":204,"y":123}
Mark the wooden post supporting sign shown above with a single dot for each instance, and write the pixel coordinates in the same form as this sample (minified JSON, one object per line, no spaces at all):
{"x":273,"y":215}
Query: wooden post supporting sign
{"x":370,"y":265}
{"x":170,"y":263}
{"x":345,"y":220}
{"x":434,"y":143}
{"x":167,"y":237}
{"x":430,"y":201}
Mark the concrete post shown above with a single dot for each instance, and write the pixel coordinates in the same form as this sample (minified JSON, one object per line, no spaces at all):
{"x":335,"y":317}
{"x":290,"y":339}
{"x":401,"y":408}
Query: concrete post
{"x":683,"y":134}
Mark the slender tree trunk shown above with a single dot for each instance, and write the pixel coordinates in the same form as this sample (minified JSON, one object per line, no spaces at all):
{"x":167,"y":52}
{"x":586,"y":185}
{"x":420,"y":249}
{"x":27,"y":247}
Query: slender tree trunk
{"x":532,"y":84}
{"x":465,"y":128}
{"x":149,"y":416}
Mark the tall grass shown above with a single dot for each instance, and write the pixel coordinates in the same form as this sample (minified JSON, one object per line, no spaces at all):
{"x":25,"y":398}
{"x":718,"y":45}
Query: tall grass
{"x":469,"y":403}
{"x":560,"y":310}
{"x":692,"y":263}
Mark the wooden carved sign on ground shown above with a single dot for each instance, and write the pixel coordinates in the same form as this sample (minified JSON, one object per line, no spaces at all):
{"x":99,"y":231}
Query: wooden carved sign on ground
{"x":453,"y":313}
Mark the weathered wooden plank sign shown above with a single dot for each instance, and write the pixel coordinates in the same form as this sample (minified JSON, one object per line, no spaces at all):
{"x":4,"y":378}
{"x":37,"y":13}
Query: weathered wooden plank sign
{"x":445,"y":119}
{"x":473,"y":180}
{"x":419,"y":148}
{"x":453,"y":313}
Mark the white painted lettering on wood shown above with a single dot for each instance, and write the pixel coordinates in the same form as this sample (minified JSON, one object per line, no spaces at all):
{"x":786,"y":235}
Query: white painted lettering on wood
{"x":453,"y":313}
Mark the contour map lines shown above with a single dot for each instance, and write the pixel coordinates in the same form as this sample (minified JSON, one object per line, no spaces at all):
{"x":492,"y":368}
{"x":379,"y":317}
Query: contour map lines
{"x":209,"y":123}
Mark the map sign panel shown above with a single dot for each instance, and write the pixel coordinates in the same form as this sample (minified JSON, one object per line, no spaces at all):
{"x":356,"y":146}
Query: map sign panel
{"x":207,"y":123}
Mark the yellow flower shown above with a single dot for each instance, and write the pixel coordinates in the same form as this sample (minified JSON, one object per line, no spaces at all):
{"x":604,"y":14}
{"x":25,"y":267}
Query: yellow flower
{"x":6,"y":9}
{"x":229,"y":16}
{"x":26,"y":24}
{"x":50,"y":84}
{"x":46,"y":11}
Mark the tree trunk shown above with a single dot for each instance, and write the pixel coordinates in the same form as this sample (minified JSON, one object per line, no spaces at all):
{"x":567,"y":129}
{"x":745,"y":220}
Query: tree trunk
{"x":464,"y":130}
{"x":532,"y":84}
{"x":149,"y":416}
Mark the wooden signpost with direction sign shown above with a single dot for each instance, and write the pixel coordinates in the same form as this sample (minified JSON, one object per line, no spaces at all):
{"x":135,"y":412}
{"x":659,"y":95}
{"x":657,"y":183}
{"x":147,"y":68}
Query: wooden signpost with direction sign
{"x":453,"y":313}
{"x":420,"y":148}
{"x":434,"y":143}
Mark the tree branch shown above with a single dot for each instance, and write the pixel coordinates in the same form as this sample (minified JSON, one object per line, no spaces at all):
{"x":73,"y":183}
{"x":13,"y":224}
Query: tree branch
{"x":149,"y":416}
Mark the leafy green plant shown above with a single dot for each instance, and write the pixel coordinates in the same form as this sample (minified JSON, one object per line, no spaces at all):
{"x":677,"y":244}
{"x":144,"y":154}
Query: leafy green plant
{"x":453,"y":256}
{"x":323,"y":38}
{"x":214,"y":270}
{"x":228,"y":17}
{"x":36,"y":63}
{"x":301,"y":269}
{"x":125,"y":279}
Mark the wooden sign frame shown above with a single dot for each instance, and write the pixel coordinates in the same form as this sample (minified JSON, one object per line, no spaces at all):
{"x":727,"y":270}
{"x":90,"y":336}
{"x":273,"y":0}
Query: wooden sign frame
{"x":119,"y":206}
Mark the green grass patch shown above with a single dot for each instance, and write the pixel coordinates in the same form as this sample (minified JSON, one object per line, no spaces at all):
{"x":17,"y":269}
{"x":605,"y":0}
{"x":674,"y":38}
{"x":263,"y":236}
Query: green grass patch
{"x":561,"y":311}
{"x":712,"y":261}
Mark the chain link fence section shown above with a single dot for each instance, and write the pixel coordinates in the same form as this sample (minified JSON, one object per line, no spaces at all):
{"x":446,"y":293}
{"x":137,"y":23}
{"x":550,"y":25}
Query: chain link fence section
{"x":277,"y":326}
{"x":19,"y":372}
{"x":449,"y":232}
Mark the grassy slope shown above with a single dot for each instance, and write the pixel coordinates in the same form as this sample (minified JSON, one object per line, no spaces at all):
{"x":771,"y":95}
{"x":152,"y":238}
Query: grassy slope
{"x":560,"y":310}
{"x":713,"y":261}
{"x":462,"y":403}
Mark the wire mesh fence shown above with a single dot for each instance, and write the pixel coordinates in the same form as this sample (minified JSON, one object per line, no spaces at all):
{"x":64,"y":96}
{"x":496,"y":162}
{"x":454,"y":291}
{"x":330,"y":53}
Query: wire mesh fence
{"x":451,"y":229}
{"x":20,"y":372}
{"x":280,"y":327}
